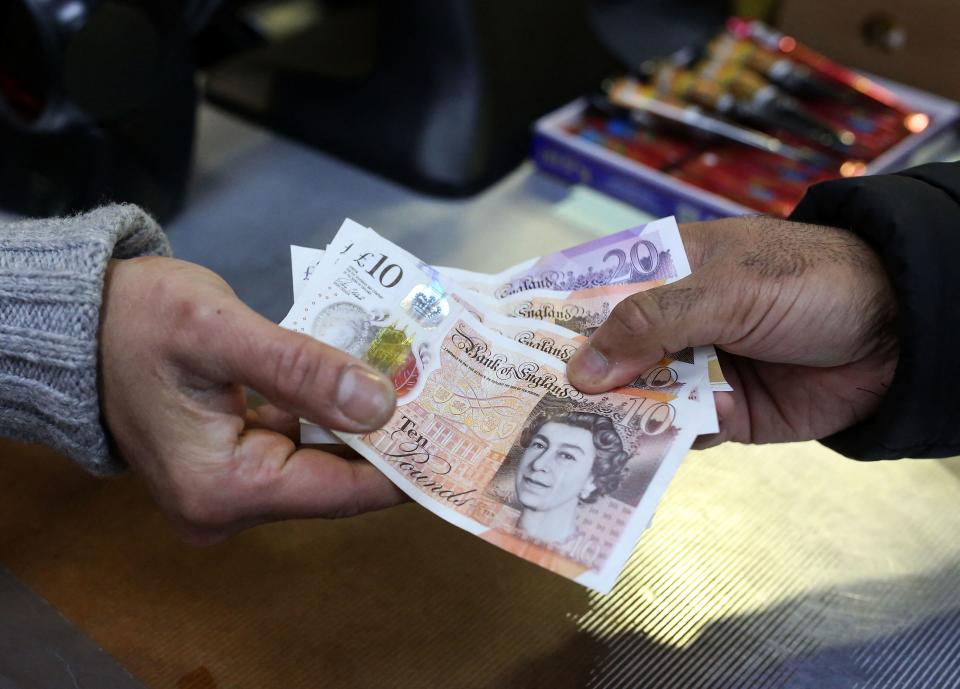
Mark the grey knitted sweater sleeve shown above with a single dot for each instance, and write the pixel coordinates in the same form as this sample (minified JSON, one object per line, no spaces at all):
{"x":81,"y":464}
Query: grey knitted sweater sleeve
{"x":51,"y":286}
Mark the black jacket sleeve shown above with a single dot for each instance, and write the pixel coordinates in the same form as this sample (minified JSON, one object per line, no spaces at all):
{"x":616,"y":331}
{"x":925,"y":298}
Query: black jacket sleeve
{"x":912,"y":219}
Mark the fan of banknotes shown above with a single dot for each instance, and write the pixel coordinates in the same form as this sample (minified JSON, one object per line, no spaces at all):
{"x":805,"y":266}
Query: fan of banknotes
{"x":488,"y":433}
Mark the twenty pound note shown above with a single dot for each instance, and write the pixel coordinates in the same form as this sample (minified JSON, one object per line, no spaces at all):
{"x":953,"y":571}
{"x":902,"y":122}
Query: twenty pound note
{"x":650,"y":253}
{"x":605,"y":270}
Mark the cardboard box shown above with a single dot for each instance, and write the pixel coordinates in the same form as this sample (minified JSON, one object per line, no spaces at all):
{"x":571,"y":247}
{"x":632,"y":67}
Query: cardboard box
{"x":576,"y":159}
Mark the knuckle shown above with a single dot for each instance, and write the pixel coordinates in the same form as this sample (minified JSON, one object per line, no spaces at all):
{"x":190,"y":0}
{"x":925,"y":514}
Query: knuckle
{"x":198,"y":319}
{"x":295,"y":368}
{"x":636,"y":316}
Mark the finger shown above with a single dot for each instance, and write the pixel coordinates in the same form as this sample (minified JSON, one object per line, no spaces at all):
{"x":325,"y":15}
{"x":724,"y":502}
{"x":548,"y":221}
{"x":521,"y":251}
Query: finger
{"x":275,"y":419}
{"x":646,"y":327}
{"x":223,"y":340}
{"x":277,"y":481}
{"x":705,"y":442}
{"x":270,"y":480}
{"x":726,"y":409}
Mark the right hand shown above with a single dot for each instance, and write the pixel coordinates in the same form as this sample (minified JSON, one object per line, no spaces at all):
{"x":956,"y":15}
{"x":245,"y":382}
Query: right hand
{"x":804,"y":313}
{"x":177,"y":349}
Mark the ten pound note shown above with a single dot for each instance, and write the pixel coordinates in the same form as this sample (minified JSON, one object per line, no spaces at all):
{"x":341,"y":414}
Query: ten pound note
{"x":488,"y":433}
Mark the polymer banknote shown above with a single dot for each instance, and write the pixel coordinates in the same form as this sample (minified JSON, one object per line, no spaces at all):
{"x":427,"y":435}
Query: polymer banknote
{"x":651,"y":253}
{"x":577,"y":287}
{"x":488,"y":433}
{"x":554,"y":322}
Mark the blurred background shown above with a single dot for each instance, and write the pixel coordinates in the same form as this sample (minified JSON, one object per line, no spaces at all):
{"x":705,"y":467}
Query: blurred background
{"x":99,"y":98}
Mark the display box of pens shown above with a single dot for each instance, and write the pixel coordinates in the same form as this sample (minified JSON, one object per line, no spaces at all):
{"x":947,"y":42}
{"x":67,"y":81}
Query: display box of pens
{"x":742,"y":125}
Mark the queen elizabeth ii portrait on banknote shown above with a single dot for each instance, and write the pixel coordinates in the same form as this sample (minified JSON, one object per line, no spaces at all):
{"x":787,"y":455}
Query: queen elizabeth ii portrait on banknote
{"x":566,"y":460}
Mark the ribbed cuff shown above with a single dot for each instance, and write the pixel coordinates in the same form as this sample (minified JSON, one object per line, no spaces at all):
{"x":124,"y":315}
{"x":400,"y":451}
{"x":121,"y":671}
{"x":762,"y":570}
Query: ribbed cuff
{"x":51,"y":288}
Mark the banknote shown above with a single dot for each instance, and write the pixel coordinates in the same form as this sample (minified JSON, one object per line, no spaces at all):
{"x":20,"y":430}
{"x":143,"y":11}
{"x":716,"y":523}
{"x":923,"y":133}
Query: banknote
{"x":651,"y":253}
{"x":691,"y":365}
{"x":305,"y":262}
{"x":311,"y":434}
{"x":583,"y":311}
{"x":488,"y":433}
{"x":354,"y":306}
{"x":681,"y":372}
{"x":498,"y":443}
{"x":539,"y":320}
{"x":648,"y":255}
{"x":718,"y":382}
{"x":709,"y":422}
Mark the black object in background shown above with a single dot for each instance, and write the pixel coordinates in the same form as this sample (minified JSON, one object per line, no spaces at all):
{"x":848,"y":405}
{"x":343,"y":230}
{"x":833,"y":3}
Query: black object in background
{"x":639,"y":30}
{"x":97,"y":97}
{"x":437,"y":94}
{"x":97,"y":104}
{"x":440,"y":95}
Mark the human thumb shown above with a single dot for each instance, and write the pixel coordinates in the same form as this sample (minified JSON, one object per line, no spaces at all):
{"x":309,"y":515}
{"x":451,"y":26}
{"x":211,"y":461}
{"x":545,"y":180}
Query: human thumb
{"x":293,"y":371}
{"x":646,"y":327}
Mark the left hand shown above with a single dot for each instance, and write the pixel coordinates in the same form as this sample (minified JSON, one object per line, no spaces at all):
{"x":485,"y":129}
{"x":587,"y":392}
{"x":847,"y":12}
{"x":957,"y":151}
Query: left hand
{"x":804,"y":313}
